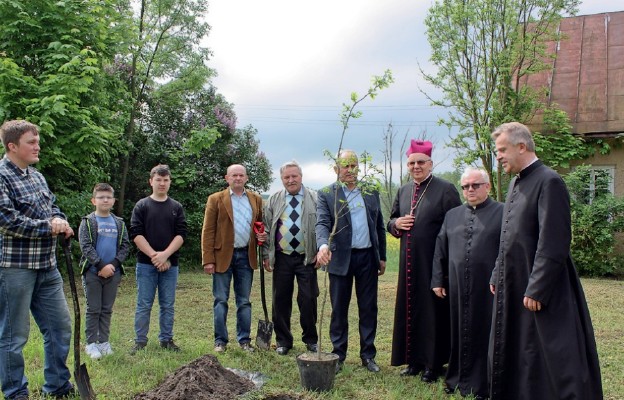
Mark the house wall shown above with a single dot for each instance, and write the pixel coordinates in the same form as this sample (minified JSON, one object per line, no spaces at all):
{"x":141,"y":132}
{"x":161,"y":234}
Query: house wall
{"x":615,"y":159}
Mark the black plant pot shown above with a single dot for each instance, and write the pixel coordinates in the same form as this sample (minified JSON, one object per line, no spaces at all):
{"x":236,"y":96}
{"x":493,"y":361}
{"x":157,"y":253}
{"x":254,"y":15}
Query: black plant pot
{"x":317,"y":373}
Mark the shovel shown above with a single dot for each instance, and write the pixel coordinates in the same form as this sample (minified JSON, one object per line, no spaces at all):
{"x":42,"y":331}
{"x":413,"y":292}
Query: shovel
{"x":81,"y":376}
{"x":265,"y":328}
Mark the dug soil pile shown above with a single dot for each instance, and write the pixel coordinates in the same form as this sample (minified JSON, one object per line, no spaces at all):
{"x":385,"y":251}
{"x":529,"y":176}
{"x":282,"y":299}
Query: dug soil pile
{"x":203,"y":379}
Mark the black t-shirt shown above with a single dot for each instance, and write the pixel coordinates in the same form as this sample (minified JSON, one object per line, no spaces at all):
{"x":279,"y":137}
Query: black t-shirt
{"x":159,"y":222}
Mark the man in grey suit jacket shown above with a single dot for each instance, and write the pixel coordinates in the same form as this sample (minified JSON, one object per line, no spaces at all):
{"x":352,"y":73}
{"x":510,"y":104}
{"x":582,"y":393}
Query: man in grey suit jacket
{"x":356,"y":251}
{"x":290,"y":252}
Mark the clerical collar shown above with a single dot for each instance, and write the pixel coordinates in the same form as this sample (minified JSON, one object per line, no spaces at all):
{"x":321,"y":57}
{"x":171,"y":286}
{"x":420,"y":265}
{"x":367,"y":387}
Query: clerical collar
{"x":424,"y":180}
{"x":487,"y":201}
{"x":530,"y":168}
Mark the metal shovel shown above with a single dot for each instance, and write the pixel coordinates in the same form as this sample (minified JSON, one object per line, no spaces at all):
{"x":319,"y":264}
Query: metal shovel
{"x":265,"y":328}
{"x":81,"y":375}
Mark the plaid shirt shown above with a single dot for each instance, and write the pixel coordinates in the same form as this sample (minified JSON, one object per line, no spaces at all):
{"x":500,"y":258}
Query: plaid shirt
{"x":26,"y":209}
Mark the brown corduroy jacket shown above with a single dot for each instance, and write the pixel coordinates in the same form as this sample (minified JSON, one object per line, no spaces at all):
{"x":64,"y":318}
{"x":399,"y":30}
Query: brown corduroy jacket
{"x":218,"y":230}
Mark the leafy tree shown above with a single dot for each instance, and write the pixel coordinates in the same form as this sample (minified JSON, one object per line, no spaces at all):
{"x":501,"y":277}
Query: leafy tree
{"x":51,"y":73}
{"x":195,"y":134}
{"x":483,"y":49}
{"x":164,"y":45}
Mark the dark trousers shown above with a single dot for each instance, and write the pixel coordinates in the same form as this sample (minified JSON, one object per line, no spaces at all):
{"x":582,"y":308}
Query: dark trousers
{"x":100,"y":294}
{"x":362,"y":270}
{"x":286,"y":269}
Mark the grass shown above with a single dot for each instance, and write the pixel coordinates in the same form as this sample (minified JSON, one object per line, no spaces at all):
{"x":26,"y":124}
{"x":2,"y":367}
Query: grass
{"x":121,"y":376}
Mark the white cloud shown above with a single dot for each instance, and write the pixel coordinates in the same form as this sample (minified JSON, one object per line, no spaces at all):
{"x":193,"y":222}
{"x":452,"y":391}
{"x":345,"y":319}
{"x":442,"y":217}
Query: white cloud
{"x":288,"y":66}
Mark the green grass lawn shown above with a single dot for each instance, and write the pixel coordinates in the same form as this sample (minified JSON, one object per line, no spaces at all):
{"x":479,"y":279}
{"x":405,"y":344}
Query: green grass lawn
{"x":121,"y":376}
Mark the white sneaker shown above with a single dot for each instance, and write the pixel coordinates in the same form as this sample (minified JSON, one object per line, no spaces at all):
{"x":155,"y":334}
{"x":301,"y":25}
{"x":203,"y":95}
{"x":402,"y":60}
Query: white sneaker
{"x":93,"y":351}
{"x":105,"y":348}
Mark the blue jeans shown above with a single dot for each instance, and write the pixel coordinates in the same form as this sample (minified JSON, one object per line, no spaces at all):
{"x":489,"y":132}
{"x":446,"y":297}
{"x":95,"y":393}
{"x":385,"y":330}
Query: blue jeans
{"x":40,"y":292}
{"x":243,"y":278}
{"x":148,"y":280}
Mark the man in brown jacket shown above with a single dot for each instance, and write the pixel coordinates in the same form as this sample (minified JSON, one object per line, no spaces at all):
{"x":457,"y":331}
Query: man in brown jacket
{"x":229,"y":250}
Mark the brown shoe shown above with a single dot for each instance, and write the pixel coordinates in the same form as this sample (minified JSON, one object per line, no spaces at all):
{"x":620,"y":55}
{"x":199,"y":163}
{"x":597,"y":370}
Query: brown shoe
{"x":246,"y":346}
{"x":220,"y":347}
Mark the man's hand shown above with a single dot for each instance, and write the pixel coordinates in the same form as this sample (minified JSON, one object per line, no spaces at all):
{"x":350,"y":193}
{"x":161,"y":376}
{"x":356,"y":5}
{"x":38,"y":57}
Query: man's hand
{"x":532,"y":305}
{"x":267,"y":265}
{"x":262,"y":237}
{"x":382,"y":268}
{"x":440,"y":292}
{"x":316,"y":262}
{"x":107,"y":271}
{"x":209,"y":269}
{"x":159,"y":259}
{"x":404,"y":223}
{"x":324,"y":255}
{"x":492,"y":289}
{"x":60,"y":226}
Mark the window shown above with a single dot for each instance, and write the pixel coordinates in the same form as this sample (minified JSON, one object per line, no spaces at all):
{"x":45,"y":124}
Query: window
{"x":601,"y":181}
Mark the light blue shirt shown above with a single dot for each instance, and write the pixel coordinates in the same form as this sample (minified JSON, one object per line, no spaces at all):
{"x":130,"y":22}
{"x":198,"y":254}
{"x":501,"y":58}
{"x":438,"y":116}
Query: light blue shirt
{"x":360,"y":237}
{"x":242,"y":213}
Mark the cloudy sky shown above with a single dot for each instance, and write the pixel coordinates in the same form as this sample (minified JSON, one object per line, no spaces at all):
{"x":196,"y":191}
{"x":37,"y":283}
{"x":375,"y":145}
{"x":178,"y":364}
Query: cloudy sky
{"x":288,"y":66}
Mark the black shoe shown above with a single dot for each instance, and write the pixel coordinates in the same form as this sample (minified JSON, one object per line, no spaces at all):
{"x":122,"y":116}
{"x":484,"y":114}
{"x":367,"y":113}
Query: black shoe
{"x":137,"y":347}
{"x":313,"y":347}
{"x":71,"y":393}
{"x":339,"y":366}
{"x":411,"y":370}
{"x":282,"y":350}
{"x":449,"y":390}
{"x":169,"y":345}
{"x":429,"y":376}
{"x":370,"y":364}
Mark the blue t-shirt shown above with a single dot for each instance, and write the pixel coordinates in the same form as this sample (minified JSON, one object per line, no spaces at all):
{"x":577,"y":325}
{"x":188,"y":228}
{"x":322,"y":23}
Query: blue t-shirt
{"x":106,"y":245}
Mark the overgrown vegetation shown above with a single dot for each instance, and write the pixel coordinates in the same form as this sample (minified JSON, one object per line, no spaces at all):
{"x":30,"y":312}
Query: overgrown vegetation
{"x":597,"y":218}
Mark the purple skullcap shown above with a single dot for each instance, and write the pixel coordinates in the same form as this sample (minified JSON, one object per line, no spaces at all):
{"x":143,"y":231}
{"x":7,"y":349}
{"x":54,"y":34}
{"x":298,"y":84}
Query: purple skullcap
{"x":420,"y":146}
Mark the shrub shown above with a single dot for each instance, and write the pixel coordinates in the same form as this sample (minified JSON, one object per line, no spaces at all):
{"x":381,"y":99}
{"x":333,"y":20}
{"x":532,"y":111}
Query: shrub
{"x":597,"y":216}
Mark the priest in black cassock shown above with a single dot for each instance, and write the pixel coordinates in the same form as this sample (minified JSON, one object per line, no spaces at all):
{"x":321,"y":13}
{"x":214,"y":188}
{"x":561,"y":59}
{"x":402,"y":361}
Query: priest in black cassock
{"x":421,"y":319}
{"x":466,"y":250}
{"x":542,"y":342}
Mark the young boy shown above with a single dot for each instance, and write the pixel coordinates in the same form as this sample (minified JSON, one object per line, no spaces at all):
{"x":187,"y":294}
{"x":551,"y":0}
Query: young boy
{"x":105,"y":244}
{"x":158,"y":228}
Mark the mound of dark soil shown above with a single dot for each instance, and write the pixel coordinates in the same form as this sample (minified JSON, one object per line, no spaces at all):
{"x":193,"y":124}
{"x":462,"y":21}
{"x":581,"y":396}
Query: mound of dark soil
{"x":202,"y":379}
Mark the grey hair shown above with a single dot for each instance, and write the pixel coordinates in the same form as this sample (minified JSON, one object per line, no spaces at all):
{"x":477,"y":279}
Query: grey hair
{"x":289,"y":164}
{"x":470,"y":170}
{"x":516,"y":133}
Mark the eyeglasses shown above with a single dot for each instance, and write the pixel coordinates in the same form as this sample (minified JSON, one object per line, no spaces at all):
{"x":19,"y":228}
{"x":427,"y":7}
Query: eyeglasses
{"x":474,"y":186}
{"x":104,"y":198}
{"x":419,"y":162}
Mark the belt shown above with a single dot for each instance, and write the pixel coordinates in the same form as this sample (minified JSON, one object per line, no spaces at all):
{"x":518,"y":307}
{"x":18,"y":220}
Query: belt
{"x":360,"y":250}
{"x":241,"y":248}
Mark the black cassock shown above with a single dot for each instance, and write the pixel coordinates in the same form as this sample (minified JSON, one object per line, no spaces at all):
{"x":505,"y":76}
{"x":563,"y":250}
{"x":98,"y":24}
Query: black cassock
{"x":421,"y":319}
{"x":466,"y":251}
{"x":548,"y":354}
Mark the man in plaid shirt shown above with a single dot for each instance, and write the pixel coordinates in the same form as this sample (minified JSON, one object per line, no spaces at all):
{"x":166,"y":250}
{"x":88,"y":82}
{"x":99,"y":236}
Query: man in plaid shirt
{"x":29,"y":278}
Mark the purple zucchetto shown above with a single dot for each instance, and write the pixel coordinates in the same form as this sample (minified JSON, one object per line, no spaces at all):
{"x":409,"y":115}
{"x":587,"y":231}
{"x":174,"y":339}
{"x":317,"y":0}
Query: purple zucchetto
{"x":420,"y":146}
